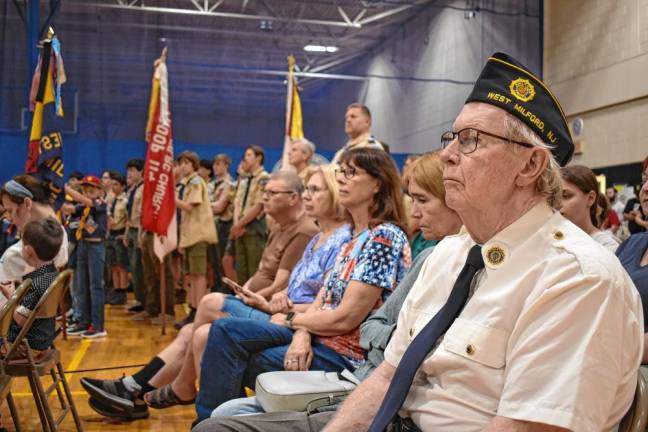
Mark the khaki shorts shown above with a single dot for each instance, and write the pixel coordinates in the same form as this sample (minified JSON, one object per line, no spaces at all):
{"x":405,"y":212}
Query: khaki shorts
{"x":195,"y":259}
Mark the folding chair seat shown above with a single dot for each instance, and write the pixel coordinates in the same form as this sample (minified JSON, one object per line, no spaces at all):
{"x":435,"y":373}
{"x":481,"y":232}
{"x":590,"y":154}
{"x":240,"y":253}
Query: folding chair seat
{"x":19,"y":361}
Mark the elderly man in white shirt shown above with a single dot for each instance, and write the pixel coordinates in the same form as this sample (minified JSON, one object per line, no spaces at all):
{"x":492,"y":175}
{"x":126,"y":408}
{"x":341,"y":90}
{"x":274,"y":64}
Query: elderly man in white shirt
{"x":521,"y":322}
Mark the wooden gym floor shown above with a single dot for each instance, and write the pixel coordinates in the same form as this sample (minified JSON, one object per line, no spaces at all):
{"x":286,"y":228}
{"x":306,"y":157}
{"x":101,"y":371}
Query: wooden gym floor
{"x":128,"y":343}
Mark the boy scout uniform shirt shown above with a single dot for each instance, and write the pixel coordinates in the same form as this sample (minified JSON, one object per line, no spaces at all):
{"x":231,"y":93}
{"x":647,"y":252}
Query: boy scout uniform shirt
{"x":136,"y":211}
{"x":118,"y":212}
{"x":197,"y":225}
{"x":552,"y":334}
{"x":224,"y":186}
{"x":250,"y":192}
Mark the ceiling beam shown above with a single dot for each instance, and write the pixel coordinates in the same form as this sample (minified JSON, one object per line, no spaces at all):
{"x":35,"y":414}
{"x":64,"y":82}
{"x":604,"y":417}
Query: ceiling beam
{"x":200,"y":12}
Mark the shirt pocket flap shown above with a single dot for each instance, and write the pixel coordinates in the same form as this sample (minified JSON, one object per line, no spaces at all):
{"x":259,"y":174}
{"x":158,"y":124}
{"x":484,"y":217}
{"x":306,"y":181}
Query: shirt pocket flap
{"x":477,"y":342}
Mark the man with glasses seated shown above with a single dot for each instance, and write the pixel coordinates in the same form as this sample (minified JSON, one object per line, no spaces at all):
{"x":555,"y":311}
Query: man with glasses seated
{"x":290,"y":234}
{"x":521,"y":322}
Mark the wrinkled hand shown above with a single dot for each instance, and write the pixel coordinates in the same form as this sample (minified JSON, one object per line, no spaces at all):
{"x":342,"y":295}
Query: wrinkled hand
{"x":280,"y":303}
{"x":300,"y":353}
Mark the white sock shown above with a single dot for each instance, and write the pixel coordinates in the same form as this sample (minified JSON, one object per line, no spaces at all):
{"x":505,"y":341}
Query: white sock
{"x":130,"y":384}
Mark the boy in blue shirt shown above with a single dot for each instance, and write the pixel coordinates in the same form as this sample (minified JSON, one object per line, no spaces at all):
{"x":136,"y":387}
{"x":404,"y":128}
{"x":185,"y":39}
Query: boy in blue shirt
{"x":91,"y":256}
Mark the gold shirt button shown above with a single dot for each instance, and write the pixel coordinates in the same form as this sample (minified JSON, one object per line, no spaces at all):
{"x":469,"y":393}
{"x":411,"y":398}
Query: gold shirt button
{"x":558,"y":235}
{"x":411,"y":332}
{"x":470,"y":349}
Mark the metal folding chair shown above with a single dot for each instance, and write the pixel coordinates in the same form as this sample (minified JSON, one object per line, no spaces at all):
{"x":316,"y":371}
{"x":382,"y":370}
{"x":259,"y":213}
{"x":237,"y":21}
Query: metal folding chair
{"x":6,"y":315}
{"x":48,"y":364}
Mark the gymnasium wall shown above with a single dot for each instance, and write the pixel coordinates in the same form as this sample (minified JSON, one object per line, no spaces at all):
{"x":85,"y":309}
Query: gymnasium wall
{"x":596,"y":61}
{"x":435,"y":57}
{"x":438,"y":55}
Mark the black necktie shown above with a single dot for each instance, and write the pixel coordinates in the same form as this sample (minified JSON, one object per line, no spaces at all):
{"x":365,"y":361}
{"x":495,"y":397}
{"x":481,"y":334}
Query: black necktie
{"x":425,"y":340}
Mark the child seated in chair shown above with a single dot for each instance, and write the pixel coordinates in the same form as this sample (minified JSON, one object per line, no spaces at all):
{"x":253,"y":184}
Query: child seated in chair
{"x":41,"y":242}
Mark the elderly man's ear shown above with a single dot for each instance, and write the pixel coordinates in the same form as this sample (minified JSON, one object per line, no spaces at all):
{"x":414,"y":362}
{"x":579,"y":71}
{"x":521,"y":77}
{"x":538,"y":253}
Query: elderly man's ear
{"x":535,"y":164}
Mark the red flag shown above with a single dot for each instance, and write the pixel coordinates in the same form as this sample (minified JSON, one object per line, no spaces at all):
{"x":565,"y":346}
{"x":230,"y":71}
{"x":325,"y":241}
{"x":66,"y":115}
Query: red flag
{"x":158,"y":200}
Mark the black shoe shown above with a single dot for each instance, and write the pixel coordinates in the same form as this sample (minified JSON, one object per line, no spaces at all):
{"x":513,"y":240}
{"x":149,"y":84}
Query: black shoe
{"x":139,"y":412}
{"x":188,"y":320}
{"x":111,"y":393}
{"x":117,"y":297}
{"x":76,"y":329}
{"x":136,"y":308}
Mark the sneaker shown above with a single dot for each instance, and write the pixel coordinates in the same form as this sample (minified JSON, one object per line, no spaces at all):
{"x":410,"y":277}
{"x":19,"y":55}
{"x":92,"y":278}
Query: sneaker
{"x":69,"y":313}
{"x":117,"y":297}
{"x":91,"y":333}
{"x":71,"y":321}
{"x":139,"y":412}
{"x":135,"y":308}
{"x":158,"y":320}
{"x":76,"y":329}
{"x":113,"y":394}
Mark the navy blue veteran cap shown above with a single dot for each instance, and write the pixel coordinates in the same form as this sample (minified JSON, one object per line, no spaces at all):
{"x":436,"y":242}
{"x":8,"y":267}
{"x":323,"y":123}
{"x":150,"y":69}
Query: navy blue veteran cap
{"x":507,"y":84}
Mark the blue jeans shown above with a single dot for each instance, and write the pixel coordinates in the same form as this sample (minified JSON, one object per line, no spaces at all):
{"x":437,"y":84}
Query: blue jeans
{"x":239,"y":349}
{"x":239,"y":407}
{"x":89,"y":283}
{"x":237,"y":309}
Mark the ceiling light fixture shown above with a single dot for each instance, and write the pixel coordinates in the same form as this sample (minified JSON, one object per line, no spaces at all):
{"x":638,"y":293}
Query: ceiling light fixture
{"x":320,"y":48}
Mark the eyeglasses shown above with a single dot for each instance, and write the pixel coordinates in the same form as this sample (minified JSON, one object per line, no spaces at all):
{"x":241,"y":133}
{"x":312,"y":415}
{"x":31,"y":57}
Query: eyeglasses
{"x":348,"y":172}
{"x":313,"y":189}
{"x":468,"y":139}
{"x":272,"y":193}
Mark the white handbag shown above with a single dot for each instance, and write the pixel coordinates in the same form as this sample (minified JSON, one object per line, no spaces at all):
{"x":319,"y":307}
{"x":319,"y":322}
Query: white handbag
{"x":296,"y":390}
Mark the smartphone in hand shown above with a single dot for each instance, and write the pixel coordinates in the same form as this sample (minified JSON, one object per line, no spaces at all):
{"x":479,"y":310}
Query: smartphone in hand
{"x":230,"y":283}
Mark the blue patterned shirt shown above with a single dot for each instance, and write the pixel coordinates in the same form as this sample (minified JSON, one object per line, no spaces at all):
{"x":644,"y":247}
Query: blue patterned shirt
{"x":309,"y":273}
{"x":379,"y":257}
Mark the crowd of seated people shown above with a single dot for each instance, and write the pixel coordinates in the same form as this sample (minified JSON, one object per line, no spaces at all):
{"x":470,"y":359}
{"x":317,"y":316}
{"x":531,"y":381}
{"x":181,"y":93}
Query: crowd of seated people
{"x":511,"y":316}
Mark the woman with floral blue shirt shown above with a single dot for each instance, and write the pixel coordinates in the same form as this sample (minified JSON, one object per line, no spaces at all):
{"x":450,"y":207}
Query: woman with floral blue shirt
{"x":325,"y":336}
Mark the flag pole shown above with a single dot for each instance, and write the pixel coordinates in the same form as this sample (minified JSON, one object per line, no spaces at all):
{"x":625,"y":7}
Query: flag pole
{"x":289,"y":103}
{"x":163,"y":299}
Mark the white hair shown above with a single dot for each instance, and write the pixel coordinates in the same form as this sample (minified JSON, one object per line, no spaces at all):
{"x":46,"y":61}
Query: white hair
{"x":310,"y":146}
{"x":549,"y":184}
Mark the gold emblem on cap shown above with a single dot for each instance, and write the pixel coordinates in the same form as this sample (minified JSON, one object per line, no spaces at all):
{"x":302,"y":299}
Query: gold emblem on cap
{"x":470,"y":349}
{"x":522,"y":89}
{"x":558,"y":235}
{"x":495,"y":255}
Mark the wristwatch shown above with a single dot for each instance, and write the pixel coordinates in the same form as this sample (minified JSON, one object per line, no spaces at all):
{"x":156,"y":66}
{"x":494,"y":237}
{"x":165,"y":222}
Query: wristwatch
{"x":289,"y":319}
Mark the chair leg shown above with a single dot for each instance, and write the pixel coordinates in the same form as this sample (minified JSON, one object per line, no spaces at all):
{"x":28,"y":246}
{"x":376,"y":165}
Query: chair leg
{"x":38,"y":402}
{"x":14,"y":412}
{"x":58,"y":388}
{"x":46,"y":407}
{"x":68,"y":394}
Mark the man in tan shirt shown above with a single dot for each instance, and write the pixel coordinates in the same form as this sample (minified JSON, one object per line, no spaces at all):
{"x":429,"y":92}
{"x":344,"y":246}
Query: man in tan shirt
{"x":357,"y":122}
{"x":249,"y":229}
{"x":197,"y":229}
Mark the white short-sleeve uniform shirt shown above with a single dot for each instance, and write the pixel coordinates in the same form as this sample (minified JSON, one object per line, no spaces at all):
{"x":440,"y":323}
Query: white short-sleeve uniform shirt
{"x":553,"y":332}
